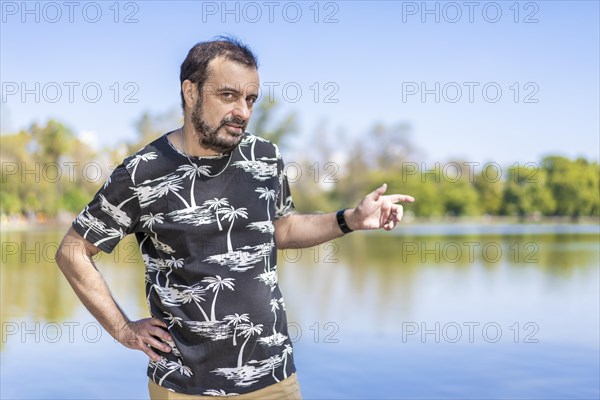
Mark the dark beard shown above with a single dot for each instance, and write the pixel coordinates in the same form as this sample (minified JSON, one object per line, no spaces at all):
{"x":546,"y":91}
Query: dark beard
{"x":208,"y":136}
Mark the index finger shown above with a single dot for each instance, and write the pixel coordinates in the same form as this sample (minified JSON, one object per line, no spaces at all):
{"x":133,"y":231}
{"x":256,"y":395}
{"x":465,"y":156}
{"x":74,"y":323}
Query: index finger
{"x":395,"y":198}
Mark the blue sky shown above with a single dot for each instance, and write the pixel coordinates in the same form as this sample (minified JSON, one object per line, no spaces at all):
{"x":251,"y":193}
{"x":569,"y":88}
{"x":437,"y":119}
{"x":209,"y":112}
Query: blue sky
{"x":373,"y":58}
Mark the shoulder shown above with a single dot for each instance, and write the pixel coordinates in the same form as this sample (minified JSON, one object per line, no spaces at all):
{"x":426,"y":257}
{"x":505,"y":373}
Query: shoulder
{"x":149,"y":152}
{"x":153,"y":160}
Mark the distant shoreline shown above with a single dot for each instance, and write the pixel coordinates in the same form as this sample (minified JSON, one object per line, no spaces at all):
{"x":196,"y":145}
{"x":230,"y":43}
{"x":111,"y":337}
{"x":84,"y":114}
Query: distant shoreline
{"x":501,"y":220}
{"x":24,"y":224}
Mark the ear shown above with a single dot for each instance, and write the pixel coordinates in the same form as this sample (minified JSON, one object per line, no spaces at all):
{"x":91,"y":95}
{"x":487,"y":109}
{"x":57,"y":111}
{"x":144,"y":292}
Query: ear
{"x":190,"y":93}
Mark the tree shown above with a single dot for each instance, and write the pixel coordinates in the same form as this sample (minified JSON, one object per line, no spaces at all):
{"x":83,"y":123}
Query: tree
{"x":459,"y":198}
{"x":423,"y":185}
{"x":194,"y":293}
{"x":354,"y":176}
{"x":489,"y":186}
{"x":263,"y":124}
{"x":235,"y":320}
{"x":573,"y":184}
{"x":526,"y":193}
{"x":15,"y":155}
{"x":274,"y":307}
{"x":151,"y":125}
{"x":287,"y":351}
{"x":247,"y":330}
{"x":52,"y":141}
{"x":34,"y":176}
{"x":173,"y":366}
{"x":267,"y":194}
{"x":216,"y":204}
{"x":231,"y":214}
{"x":192,"y":171}
{"x":216,"y":283}
{"x":390,"y":146}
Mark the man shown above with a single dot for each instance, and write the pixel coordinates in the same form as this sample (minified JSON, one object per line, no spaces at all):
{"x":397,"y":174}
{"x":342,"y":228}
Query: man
{"x":209,"y":204}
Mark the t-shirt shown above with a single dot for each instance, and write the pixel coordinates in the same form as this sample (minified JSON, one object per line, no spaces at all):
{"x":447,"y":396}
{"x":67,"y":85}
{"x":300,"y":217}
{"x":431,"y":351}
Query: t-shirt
{"x":205,"y":231}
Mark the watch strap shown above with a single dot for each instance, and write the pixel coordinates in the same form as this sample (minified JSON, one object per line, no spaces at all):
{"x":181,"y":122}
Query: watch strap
{"x":341,"y":220}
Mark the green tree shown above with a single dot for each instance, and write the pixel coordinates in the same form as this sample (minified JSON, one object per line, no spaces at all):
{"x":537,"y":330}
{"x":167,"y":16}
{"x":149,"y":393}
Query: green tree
{"x":14,"y":157}
{"x":422,"y":185}
{"x":574,"y":185}
{"x":489,"y":186}
{"x":264,"y":124}
{"x":456,"y":191}
{"x":526,"y":193}
{"x":52,"y":141}
{"x":43,"y":171}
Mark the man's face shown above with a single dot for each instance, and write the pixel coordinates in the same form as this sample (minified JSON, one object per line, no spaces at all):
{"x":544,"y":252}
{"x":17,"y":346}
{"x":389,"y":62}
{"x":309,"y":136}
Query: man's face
{"x":222,"y":112}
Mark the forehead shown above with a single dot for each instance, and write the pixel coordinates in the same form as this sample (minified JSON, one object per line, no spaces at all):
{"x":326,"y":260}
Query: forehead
{"x":224,"y":72}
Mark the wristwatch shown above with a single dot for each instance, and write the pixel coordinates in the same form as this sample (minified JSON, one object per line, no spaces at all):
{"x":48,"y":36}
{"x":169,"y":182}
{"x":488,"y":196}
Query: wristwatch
{"x":342,"y":221}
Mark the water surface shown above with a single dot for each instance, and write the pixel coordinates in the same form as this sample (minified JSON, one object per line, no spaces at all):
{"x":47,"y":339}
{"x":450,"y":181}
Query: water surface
{"x":448,"y":312}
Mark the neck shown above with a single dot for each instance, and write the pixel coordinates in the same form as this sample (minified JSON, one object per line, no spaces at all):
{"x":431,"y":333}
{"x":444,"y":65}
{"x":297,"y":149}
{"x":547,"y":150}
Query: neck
{"x":191,"y":146}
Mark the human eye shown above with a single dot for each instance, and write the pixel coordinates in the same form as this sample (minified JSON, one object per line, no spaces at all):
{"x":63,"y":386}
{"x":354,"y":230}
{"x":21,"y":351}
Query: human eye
{"x":228,"y":96}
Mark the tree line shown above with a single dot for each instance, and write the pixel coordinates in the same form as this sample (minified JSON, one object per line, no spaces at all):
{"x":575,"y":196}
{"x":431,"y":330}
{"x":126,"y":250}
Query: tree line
{"x":552,"y":186}
{"x":47,"y":170}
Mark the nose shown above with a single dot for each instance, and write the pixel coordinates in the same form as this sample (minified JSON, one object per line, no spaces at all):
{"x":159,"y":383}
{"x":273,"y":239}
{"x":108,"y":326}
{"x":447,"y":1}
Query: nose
{"x":242,"y":110}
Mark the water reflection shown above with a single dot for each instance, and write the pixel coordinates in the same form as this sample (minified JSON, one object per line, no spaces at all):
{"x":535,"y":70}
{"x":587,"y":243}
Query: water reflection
{"x":385,"y":269}
{"x":34,"y":288}
{"x":362,"y":290}
{"x":377,"y":283}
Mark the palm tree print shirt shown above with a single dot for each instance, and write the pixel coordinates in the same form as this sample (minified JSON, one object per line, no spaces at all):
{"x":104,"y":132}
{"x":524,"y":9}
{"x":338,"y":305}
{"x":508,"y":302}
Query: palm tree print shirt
{"x":207,"y":240}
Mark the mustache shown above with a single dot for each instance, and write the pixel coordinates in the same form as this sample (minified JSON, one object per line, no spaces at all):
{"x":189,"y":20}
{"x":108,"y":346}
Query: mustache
{"x":234,"y":121}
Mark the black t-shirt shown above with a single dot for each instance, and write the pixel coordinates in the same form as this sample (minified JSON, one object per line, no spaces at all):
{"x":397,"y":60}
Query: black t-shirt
{"x":206,"y":235}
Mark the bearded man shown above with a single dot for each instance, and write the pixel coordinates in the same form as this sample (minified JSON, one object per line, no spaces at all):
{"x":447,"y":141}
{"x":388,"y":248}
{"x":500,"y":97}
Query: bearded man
{"x":209,"y":204}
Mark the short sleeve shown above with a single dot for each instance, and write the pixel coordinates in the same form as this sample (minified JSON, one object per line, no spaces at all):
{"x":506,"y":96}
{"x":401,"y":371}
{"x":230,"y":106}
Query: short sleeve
{"x":284,"y":204}
{"x":112,"y":214}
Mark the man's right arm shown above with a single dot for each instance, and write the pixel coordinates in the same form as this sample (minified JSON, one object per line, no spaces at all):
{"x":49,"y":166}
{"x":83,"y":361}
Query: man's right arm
{"x":74,"y":258}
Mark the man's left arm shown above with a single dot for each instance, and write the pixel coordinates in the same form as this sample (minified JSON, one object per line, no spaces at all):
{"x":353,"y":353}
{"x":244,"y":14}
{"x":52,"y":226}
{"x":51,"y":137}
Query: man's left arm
{"x":375,"y":211}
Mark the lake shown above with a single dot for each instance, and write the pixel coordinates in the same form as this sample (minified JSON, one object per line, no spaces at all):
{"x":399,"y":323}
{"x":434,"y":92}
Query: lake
{"x":426,"y":312}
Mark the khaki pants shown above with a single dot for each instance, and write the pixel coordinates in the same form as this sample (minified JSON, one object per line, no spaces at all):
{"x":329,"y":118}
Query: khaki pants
{"x":287,"y":389}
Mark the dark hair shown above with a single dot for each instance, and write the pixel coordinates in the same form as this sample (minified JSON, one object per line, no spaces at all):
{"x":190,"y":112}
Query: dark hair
{"x":195,"y":65}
